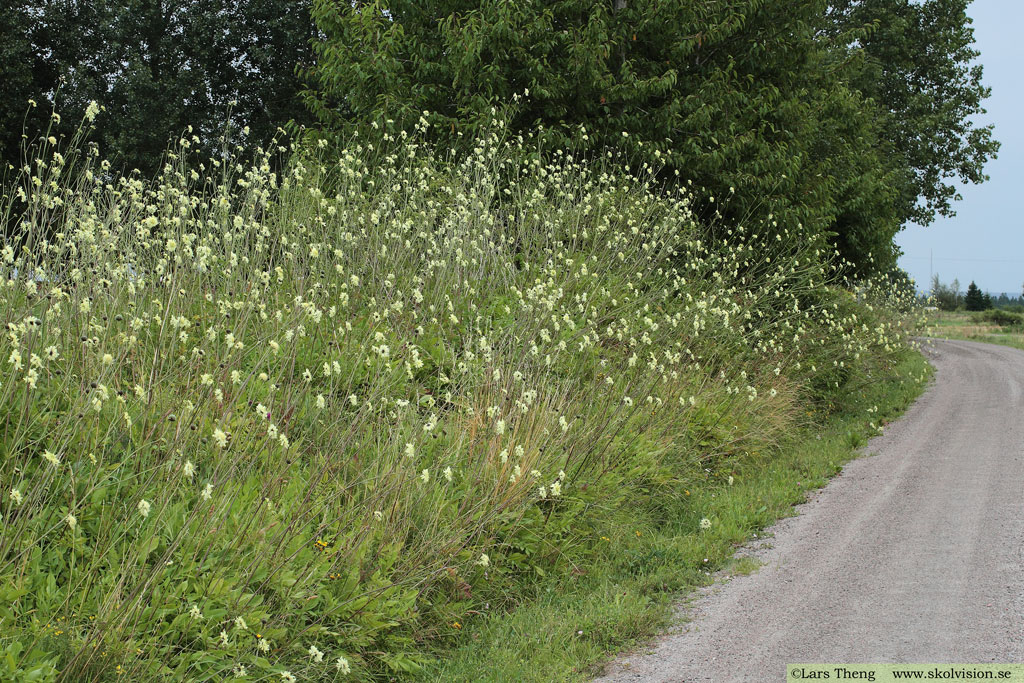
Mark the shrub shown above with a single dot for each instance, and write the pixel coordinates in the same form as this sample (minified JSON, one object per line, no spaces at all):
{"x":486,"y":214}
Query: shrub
{"x":1003,"y":317}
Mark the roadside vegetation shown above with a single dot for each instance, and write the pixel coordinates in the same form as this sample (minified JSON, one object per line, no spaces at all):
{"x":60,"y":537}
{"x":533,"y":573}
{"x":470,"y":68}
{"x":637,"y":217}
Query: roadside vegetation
{"x":629,"y":593}
{"x":320,"y":423}
{"x":445,"y":341}
{"x":994,"y":326}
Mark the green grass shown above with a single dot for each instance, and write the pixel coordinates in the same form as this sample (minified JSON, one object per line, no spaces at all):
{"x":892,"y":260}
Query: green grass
{"x":743,"y":566}
{"x":628,"y":595}
{"x":973,"y":326}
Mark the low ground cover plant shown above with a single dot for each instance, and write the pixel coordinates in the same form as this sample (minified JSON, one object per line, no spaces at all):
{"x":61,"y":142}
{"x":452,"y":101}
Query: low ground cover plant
{"x":304,"y":424}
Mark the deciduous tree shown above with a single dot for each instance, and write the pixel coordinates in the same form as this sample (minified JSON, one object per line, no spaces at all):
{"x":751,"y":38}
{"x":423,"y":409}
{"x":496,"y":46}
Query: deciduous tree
{"x":157,"y":67}
{"x":762,"y":103}
{"x":921,"y":68}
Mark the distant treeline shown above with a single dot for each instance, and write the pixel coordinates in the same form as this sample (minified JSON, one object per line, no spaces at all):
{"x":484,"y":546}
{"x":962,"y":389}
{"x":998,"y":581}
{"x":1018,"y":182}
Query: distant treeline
{"x":1003,"y":300}
{"x":838,"y":120}
{"x":949,"y":297}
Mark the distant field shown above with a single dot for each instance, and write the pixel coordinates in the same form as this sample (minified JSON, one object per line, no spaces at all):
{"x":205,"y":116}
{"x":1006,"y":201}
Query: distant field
{"x":974,"y":326}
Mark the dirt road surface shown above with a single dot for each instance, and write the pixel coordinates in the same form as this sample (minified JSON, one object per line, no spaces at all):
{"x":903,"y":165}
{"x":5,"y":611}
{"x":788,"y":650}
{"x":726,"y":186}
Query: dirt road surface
{"x":914,"y":553}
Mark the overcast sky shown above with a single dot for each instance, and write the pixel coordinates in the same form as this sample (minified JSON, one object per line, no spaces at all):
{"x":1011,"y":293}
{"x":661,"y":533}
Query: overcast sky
{"x":984,"y":242}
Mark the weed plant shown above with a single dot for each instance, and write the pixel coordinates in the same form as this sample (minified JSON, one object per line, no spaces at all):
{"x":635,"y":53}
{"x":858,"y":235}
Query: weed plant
{"x":303,"y":425}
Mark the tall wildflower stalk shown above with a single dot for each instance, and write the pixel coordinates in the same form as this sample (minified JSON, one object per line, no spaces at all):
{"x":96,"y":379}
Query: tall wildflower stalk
{"x":287,"y":424}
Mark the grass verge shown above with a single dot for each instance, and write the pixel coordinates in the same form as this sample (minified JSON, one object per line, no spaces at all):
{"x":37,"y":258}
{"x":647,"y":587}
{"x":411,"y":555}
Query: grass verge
{"x":627,"y":596}
{"x":989,"y":327}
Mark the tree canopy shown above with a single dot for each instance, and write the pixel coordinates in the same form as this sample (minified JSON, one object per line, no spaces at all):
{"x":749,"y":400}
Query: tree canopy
{"x":920,"y":69}
{"x":792,"y":111}
{"x":156,"y":66}
{"x":975,"y":300}
{"x":834,"y":119}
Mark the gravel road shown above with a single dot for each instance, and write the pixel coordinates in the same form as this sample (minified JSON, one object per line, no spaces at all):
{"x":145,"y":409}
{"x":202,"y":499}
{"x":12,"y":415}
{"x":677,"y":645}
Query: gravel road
{"x":914,"y":553}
